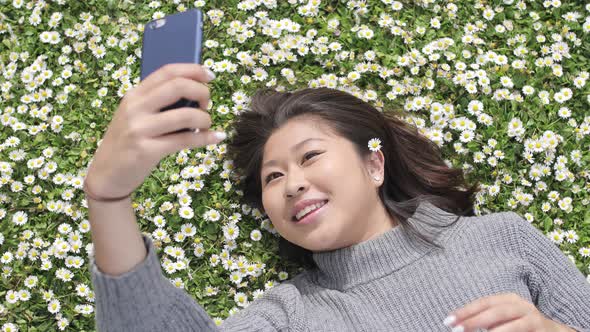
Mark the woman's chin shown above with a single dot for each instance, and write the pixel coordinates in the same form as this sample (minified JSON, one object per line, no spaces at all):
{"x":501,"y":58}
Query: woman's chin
{"x":319,"y":245}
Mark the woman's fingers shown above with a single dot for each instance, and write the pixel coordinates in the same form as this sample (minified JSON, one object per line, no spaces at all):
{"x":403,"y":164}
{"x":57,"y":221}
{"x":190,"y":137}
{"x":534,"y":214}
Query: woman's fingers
{"x":167,"y":72}
{"x":171,"y":91}
{"x":483,"y":303}
{"x":492,"y":317}
{"x":516,"y":325}
{"x":490,"y":312}
{"x":175,"y":119}
{"x":168,"y":144}
{"x":135,"y":137}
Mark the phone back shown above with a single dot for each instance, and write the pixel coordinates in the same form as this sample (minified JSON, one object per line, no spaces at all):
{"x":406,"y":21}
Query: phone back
{"x":178,"y":40}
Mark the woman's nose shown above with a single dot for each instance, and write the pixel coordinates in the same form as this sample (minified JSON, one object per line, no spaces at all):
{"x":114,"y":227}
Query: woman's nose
{"x":300,"y":189}
{"x":296,"y":182}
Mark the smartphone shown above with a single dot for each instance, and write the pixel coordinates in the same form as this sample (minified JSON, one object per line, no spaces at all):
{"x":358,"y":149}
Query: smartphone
{"x":175,"y":38}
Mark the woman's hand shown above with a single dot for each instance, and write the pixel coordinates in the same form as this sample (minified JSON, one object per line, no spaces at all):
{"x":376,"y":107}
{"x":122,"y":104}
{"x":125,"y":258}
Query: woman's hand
{"x":502,"y":313}
{"x":136,"y":140}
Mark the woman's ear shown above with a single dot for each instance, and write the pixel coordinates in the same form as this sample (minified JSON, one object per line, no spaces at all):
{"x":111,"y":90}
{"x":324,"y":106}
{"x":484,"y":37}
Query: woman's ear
{"x":376,"y":166}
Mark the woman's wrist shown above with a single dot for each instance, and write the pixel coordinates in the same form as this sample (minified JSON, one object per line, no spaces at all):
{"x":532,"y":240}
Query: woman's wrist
{"x":91,"y":196}
{"x":564,"y":328}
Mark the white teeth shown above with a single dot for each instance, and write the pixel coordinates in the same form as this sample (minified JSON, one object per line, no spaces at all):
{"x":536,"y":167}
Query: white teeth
{"x":308,"y":209}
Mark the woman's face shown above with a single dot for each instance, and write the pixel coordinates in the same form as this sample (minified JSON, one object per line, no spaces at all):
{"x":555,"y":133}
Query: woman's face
{"x":326,"y":167}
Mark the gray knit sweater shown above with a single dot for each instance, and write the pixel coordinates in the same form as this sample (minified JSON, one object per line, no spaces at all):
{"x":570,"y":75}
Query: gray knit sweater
{"x":393,"y":282}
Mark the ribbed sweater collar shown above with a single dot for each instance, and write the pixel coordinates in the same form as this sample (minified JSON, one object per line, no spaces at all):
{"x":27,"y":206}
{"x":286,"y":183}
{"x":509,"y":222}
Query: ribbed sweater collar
{"x":369,"y":260}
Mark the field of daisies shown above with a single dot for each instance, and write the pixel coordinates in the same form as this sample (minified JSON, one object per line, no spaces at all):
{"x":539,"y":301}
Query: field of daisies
{"x":500,"y":86}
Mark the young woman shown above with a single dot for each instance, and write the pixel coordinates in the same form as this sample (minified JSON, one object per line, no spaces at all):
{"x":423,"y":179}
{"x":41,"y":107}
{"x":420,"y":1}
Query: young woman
{"x":388,"y":234}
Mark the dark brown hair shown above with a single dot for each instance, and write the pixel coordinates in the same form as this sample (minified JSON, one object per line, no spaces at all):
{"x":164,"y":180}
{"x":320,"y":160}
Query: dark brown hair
{"x":414,"y":168}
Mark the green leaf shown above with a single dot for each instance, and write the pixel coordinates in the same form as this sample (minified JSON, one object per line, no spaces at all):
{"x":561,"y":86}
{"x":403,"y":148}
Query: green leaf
{"x":587,"y":217}
{"x":211,"y":231}
{"x":547,"y":223}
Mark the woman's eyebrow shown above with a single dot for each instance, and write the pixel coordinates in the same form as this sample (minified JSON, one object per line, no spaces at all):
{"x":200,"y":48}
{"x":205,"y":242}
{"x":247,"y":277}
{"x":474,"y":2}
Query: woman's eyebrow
{"x":293,"y":149}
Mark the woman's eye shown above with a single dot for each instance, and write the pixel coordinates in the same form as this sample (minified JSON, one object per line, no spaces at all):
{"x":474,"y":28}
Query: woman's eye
{"x":313,"y":153}
{"x":305,"y":157}
{"x":269,"y":177}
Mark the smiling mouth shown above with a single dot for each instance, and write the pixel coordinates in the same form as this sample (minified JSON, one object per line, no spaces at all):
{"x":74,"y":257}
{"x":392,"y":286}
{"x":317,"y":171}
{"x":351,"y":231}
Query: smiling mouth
{"x":294,"y":219}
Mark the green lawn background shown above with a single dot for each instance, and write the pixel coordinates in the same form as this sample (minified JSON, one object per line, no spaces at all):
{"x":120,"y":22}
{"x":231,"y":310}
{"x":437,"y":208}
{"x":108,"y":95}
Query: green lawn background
{"x":501,"y":86}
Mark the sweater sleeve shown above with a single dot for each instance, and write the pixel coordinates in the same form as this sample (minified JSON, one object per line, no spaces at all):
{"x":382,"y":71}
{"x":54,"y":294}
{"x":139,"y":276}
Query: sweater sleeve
{"x":143,"y":299}
{"x":558,"y":288}
{"x":281,"y":306}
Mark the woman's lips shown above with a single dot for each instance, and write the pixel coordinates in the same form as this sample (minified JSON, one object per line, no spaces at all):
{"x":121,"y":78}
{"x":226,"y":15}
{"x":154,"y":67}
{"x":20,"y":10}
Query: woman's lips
{"x":312,"y":216}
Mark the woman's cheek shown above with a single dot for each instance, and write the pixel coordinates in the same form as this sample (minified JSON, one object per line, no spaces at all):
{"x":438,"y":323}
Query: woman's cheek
{"x":267,"y":204}
{"x":328,"y":168}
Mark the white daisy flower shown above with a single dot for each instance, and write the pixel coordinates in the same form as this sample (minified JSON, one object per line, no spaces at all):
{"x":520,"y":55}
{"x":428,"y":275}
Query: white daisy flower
{"x":255,"y":235}
{"x":186,"y":212}
{"x":375,"y":144}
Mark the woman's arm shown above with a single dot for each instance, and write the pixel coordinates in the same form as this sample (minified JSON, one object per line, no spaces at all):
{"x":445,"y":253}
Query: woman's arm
{"x":130,"y":291}
{"x":557,"y":287}
{"x":118,"y":246}
{"x":132,"y":294}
